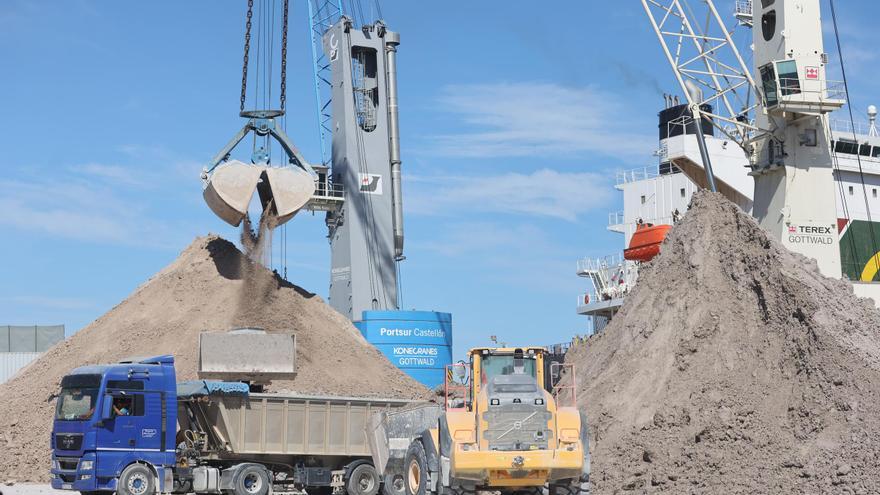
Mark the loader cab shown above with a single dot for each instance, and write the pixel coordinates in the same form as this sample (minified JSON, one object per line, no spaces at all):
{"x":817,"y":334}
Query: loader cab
{"x":487,"y":364}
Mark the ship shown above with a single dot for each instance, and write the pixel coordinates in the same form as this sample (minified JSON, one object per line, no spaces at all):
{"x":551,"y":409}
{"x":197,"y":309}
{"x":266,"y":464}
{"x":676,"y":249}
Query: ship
{"x":657,"y":195}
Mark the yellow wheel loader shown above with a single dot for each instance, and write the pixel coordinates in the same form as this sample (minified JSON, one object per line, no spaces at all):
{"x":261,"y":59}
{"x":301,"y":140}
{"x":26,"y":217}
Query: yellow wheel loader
{"x":503,"y":427}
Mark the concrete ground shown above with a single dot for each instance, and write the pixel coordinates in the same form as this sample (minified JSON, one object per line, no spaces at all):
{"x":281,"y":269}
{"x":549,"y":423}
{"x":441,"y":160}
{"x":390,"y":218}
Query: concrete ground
{"x":31,"y":489}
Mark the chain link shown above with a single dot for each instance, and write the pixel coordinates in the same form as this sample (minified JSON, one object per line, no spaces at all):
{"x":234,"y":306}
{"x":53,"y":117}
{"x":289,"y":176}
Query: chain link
{"x":284,"y":59}
{"x":247,"y":49}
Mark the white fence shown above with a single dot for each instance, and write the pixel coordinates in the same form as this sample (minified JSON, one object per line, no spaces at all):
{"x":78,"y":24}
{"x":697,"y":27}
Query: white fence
{"x":11,"y":362}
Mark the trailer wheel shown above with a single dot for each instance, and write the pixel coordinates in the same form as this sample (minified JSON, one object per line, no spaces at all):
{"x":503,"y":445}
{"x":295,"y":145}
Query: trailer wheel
{"x":363,"y":480}
{"x":415,"y":475}
{"x":136,"y":479}
{"x":394,"y":484}
{"x":251,"y":480}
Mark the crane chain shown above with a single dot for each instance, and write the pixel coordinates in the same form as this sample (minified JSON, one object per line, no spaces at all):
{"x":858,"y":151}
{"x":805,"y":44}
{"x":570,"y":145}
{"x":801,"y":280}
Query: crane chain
{"x":284,"y":59}
{"x":247,"y":48}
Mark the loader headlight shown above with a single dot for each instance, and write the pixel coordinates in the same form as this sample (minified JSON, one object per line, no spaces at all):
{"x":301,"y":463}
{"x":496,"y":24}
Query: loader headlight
{"x":464,"y":436}
{"x":86,"y":465}
{"x":569,"y":435}
{"x":56,"y":464}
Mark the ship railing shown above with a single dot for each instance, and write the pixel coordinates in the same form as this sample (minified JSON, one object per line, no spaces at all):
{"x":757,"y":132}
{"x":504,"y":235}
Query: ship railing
{"x":585,"y":265}
{"x":611,"y":276}
{"x":679,"y":126}
{"x":637,"y":174}
{"x":607,"y":294}
{"x":847,"y":127}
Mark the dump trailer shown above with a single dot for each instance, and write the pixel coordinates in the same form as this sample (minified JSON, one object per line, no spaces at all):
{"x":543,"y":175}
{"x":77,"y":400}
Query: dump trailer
{"x":509,"y":423}
{"x":130,"y":428}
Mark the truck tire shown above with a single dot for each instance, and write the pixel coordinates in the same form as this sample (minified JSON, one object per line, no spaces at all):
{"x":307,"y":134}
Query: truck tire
{"x":136,"y":479}
{"x":363,"y":480}
{"x":393,"y":484}
{"x":415,"y":469}
{"x":251,"y":480}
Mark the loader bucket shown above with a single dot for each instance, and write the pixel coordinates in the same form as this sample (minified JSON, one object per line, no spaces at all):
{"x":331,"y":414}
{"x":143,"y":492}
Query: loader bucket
{"x":283,"y":189}
{"x":268,"y":356}
{"x":288,"y":189}
{"x":230,"y":188}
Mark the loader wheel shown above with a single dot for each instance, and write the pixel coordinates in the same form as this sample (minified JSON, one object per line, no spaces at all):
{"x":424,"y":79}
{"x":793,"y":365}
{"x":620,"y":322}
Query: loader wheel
{"x":251,"y":480}
{"x":584,"y":484}
{"x":136,"y":479}
{"x":415,"y":474}
{"x":394,"y":484}
{"x":363,"y":480}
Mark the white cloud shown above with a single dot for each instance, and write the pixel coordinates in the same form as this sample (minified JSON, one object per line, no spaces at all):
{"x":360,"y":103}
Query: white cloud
{"x":74,"y":210}
{"x":94,"y":202}
{"x":545,"y":193}
{"x":538,"y":119}
{"x":112,"y":173}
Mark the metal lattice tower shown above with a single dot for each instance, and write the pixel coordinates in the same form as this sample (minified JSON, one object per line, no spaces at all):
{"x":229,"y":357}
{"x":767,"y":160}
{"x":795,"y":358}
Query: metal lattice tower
{"x":322,"y":15}
{"x":707,"y":64}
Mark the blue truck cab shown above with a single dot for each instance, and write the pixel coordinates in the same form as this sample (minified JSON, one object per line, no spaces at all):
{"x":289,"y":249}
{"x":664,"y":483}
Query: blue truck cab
{"x":114,"y":428}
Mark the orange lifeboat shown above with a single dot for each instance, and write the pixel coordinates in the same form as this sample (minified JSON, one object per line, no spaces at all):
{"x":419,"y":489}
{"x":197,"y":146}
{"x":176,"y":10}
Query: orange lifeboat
{"x":645,"y":242}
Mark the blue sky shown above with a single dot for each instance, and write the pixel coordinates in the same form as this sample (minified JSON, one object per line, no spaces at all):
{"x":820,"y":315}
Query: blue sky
{"x":514,"y":118}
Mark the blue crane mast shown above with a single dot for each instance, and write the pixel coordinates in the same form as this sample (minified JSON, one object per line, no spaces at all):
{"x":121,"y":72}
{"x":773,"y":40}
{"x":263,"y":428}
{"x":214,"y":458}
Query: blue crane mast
{"x":322,"y":15}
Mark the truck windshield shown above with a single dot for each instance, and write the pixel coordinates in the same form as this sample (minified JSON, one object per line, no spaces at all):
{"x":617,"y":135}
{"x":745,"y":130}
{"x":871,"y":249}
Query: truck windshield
{"x":78,"y":397}
{"x":500,"y":364}
{"x":76,"y":404}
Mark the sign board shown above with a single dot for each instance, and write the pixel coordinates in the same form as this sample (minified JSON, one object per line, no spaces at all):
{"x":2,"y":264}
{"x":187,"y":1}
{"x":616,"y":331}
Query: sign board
{"x":370,"y":183}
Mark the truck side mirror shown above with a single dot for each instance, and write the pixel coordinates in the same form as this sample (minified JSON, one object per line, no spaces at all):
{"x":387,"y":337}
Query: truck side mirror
{"x":107,"y":407}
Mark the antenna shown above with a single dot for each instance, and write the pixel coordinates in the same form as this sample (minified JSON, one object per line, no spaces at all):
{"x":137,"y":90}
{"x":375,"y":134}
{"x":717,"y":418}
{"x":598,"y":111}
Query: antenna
{"x":872,"y":120}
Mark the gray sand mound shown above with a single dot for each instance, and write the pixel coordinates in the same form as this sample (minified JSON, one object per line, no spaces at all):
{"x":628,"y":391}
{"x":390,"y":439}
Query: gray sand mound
{"x":210,"y":287}
{"x":734,"y":367}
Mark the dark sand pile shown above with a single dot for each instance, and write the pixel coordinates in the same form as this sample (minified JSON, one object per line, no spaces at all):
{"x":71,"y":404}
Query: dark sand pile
{"x":212,"y":286}
{"x":734,"y":367}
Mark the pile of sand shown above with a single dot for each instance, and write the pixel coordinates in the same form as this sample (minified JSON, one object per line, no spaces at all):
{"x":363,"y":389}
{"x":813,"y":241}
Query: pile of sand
{"x":210,"y":287}
{"x":734,"y":367}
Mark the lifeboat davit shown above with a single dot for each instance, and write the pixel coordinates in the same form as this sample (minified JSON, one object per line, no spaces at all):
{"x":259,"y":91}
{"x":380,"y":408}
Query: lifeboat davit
{"x":645,"y":242}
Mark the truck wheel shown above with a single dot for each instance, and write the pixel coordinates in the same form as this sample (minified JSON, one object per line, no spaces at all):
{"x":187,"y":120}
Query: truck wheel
{"x":251,"y":480}
{"x":415,"y":473}
{"x":136,"y":479}
{"x":363,"y":480}
{"x":394,"y":484}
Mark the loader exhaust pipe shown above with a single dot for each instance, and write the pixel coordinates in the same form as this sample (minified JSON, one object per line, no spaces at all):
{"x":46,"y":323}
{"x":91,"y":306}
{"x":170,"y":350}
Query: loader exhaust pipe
{"x":392,"y":39}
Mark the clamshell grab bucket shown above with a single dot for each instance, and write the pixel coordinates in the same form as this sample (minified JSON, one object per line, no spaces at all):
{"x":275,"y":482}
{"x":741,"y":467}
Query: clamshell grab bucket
{"x":288,"y":189}
{"x":230,"y":187}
